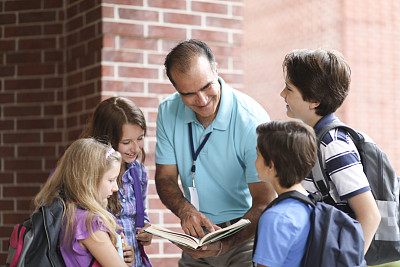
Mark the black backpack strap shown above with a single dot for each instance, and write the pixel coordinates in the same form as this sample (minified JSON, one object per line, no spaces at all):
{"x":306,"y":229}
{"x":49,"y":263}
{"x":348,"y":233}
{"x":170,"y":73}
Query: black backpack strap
{"x":52,"y":221}
{"x":296,"y":195}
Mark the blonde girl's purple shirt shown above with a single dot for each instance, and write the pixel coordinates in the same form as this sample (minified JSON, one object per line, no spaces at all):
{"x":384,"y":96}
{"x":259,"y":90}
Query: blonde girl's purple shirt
{"x":126,"y":197}
{"x":73,"y":253}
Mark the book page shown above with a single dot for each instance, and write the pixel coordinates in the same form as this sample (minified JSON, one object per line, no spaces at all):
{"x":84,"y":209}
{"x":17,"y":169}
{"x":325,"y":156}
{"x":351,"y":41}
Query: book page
{"x":194,"y":242}
{"x":180,"y":238}
{"x":224,"y":232}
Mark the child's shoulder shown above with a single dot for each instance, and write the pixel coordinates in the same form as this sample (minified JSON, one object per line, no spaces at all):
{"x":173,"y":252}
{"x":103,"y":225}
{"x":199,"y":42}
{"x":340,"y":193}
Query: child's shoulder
{"x":335,"y":135}
{"x":289,"y":208}
{"x":290,"y":204}
{"x":136,"y":168}
{"x":288,"y":213}
{"x":81,"y":226}
{"x":81,"y":216}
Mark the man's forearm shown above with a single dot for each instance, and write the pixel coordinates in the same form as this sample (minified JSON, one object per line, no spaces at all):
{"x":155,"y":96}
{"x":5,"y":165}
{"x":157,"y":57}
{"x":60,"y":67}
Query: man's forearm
{"x":262,"y":194}
{"x":246,"y":233}
{"x":171,"y":196}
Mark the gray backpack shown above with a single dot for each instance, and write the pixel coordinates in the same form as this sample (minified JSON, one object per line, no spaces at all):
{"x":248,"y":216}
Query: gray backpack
{"x":35,"y":242}
{"x":384,"y":183}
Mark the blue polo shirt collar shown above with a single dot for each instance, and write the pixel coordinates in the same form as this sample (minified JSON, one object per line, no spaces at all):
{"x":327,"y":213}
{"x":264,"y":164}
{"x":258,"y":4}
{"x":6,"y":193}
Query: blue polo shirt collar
{"x":324,"y":121}
{"x":222,"y":119}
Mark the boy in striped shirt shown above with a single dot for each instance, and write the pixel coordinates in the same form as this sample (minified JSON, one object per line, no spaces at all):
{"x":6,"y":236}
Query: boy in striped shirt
{"x":317,"y":82}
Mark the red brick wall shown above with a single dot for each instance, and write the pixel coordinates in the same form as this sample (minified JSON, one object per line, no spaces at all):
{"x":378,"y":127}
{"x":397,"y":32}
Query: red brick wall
{"x":83,"y":41}
{"x":32,"y":103}
{"x":61,"y":57}
{"x":367,"y":33}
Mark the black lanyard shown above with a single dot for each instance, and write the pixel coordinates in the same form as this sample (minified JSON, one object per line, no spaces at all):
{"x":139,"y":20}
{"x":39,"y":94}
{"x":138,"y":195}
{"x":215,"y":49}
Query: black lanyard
{"x":196,"y":154}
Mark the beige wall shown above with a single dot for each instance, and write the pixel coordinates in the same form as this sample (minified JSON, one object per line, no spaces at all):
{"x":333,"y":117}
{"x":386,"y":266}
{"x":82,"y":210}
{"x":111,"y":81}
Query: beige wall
{"x":366,"y":32}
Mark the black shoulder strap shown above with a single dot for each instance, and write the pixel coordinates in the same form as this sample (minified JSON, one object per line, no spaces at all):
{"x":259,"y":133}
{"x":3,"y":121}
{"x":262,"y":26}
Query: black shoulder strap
{"x":52,"y":221}
{"x":293,"y":194}
{"x":320,"y":177}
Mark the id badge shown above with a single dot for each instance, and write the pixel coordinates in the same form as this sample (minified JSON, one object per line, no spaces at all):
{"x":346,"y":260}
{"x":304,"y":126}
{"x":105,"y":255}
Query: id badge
{"x":194,"y":198}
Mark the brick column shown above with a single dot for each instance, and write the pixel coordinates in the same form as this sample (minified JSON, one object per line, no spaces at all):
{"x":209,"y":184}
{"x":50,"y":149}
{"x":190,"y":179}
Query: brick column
{"x":83,"y":42}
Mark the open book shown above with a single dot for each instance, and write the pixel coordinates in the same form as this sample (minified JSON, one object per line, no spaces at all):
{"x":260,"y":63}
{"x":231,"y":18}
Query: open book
{"x":194,"y":242}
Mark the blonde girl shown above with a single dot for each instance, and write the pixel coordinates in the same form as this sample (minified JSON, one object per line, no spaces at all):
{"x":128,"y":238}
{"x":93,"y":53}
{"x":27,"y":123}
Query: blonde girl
{"x":84,"y":179}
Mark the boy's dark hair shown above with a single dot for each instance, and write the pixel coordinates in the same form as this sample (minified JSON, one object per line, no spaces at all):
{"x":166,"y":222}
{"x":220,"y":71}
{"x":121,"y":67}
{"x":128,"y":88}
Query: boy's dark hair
{"x":321,"y":75}
{"x":181,"y":56}
{"x":291,"y":146}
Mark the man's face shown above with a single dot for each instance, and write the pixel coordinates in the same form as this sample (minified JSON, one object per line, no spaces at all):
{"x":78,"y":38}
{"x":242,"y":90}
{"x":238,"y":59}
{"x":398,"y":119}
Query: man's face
{"x":199,"y":88}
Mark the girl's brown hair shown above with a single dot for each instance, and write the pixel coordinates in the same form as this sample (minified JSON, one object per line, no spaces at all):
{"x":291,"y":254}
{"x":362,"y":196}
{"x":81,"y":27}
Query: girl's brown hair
{"x":109,"y":117}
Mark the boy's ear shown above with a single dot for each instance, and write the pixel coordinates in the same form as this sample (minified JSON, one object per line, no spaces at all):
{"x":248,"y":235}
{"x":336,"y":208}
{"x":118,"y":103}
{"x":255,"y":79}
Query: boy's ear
{"x":271,"y":167}
{"x":313,"y":105}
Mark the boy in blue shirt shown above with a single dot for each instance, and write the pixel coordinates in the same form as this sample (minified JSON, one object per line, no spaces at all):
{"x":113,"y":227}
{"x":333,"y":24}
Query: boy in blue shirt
{"x":286,"y":153}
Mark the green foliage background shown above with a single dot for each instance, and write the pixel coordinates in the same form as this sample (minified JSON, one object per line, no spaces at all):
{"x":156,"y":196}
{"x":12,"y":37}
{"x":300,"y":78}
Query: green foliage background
{"x":392,"y":264}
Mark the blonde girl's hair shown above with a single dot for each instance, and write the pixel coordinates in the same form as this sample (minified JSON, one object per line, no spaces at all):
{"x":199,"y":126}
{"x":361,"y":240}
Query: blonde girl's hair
{"x":77,"y":179}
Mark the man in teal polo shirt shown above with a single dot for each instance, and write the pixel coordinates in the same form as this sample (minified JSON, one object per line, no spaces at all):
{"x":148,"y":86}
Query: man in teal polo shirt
{"x":206,"y":135}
